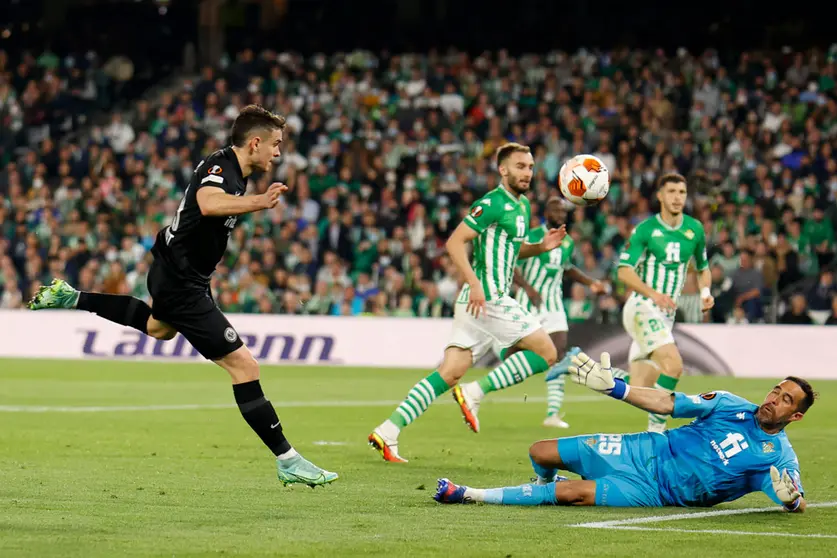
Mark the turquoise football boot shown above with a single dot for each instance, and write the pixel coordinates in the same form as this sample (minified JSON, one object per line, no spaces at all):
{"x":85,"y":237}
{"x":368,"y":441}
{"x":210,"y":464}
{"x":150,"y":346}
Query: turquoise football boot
{"x":58,"y":295}
{"x":299,"y":470}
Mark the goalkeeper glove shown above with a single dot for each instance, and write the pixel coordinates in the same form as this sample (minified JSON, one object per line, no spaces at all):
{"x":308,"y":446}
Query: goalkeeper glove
{"x":785,"y":489}
{"x":598,"y":377}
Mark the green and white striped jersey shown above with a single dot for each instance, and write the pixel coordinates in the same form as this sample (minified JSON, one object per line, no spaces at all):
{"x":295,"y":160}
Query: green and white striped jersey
{"x":546,"y":272}
{"x":661,"y":253}
{"x":502,"y":223}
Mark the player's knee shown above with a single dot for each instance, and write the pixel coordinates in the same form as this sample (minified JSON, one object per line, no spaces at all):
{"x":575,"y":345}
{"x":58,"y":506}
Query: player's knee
{"x":671,"y":364}
{"x":575,"y":493}
{"x":544,"y":452}
{"x":550,"y":354}
{"x":159,"y":330}
{"x":240,"y":365}
{"x":455,"y":364}
{"x":246,"y":371}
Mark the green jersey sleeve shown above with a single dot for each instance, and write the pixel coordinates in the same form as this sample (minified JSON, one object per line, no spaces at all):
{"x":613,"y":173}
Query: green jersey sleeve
{"x":482,"y":215}
{"x":635,"y":248}
{"x":701,"y":262}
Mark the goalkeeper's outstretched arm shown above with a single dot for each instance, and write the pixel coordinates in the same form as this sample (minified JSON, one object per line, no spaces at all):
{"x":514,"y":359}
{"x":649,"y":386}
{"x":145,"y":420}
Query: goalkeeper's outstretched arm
{"x":599,"y":377}
{"x":651,"y":400}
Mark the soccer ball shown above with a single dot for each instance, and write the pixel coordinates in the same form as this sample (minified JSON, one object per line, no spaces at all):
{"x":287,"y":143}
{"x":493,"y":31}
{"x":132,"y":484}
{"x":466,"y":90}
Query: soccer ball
{"x":584,"y":180}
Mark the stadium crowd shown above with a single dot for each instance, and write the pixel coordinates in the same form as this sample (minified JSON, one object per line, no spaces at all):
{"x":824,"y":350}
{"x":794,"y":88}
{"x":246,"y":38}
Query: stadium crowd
{"x":384,"y":154}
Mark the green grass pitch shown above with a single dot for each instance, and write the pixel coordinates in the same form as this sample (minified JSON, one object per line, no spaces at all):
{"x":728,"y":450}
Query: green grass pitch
{"x":194,"y":481}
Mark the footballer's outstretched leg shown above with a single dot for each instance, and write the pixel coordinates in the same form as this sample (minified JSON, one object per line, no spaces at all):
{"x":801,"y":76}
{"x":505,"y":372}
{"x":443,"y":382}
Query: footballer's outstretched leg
{"x":560,"y":493}
{"x":120,"y":309}
{"x":385,"y":436}
{"x":533,"y":354}
{"x":260,"y":415}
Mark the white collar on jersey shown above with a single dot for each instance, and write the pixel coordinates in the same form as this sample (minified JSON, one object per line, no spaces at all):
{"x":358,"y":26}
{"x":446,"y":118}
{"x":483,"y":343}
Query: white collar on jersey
{"x":509,"y":194}
{"x":669,"y":227}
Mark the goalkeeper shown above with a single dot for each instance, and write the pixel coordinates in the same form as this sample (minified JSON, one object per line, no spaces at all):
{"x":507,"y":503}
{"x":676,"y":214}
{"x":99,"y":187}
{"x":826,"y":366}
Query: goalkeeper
{"x":732,"y":448}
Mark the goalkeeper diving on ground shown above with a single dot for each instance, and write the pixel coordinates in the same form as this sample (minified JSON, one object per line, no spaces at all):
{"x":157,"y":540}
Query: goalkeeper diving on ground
{"x":732,"y":448}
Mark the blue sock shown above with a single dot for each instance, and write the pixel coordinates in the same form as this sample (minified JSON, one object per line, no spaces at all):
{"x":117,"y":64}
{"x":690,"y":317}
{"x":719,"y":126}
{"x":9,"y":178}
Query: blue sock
{"x":542,"y":471}
{"x":525,"y":495}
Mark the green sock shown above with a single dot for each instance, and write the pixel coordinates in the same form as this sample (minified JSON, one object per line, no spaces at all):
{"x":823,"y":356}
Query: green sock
{"x":419,"y":399}
{"x":555,"y":395}
{"x":667,"y":384}
{"x":514,"y":370}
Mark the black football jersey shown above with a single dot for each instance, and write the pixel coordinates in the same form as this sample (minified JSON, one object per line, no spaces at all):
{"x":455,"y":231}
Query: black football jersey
{"x":194,"y":244}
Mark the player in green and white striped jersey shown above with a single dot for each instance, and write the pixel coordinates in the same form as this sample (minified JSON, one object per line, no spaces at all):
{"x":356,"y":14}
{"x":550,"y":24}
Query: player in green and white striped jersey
{"x":539,"y":281}
{"x":485,"y":312}
{"x":653,"y":265}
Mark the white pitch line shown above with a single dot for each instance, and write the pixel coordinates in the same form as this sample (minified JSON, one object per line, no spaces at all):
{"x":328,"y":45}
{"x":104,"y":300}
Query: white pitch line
{"x":277,"y":404}
{"x":694,"y":515}
{"x":631,"y":524}
{"x":725,"y":532}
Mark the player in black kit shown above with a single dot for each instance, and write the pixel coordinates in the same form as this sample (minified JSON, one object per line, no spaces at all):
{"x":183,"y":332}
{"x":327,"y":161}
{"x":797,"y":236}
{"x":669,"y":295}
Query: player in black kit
{"x":185,"y":255}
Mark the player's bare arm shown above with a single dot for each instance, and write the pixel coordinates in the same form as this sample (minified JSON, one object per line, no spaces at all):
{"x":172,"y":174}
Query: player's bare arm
{"x":551,"y":241}
{"x":705,"y":282}
{"x":633,"y":281}
{"x":459,"y":256}
{"x":575,"y":274}
{"x":651,"y":399}
{"x":531,"y":292}
{"x":215,"y":202}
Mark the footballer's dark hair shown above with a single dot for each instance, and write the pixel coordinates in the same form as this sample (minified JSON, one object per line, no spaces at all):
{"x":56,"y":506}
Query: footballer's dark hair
{"x":252,"y":118}
{"x":505,"y":151}
{"x":670,"y":178}
{"x":810,"y":394}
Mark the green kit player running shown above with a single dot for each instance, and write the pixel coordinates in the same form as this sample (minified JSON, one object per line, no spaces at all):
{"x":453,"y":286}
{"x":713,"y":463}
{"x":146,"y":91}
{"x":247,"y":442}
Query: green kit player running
{"x":485,"y":313}
{"x":539,"y":292}
{"x":653,"y":265}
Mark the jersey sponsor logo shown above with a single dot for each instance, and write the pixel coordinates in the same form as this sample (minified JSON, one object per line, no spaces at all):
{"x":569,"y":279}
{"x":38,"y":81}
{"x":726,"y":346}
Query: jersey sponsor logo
{"x":695,"y":399}
{"x":729,"y":447}
{"x":741,"y":416}
{"x":215,"y":170}
{"x":709,"y":396}
{"x":476,"y":212}
{"x":767,"y":447}
{"x":508,"y":207}
{"x":657,"y":232}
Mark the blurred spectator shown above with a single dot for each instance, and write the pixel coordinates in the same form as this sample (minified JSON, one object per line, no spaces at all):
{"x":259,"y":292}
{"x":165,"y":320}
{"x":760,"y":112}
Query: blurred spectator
{"x":832,"y":319}
{"x":747,"y":285}
{"x":820,"y":295}
{"x":798,"y":312}
{"x":738,"y":317}
{"x":384,"y":156}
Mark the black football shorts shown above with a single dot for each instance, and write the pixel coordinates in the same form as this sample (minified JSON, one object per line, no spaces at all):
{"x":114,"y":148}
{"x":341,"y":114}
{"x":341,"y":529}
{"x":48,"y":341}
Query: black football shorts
{"x":191,"y":310}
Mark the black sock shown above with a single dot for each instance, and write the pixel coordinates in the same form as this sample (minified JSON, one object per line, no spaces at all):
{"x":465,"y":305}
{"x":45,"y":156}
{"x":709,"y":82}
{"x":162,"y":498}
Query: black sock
{"x":124,"y":310}
{"x":261,"y":416}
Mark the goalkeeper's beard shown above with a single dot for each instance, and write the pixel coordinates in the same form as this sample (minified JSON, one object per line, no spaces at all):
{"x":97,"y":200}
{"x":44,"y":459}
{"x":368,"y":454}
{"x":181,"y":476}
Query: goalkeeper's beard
{"x":767,"y":419}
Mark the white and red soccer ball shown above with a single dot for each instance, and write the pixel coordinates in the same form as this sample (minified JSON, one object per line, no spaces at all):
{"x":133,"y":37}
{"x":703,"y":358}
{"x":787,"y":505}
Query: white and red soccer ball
{"x":584,"y":180}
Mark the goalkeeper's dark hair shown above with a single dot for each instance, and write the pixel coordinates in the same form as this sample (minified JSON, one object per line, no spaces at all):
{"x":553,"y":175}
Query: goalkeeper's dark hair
{"x":254,"y":118}
{"x":810,"y":394}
